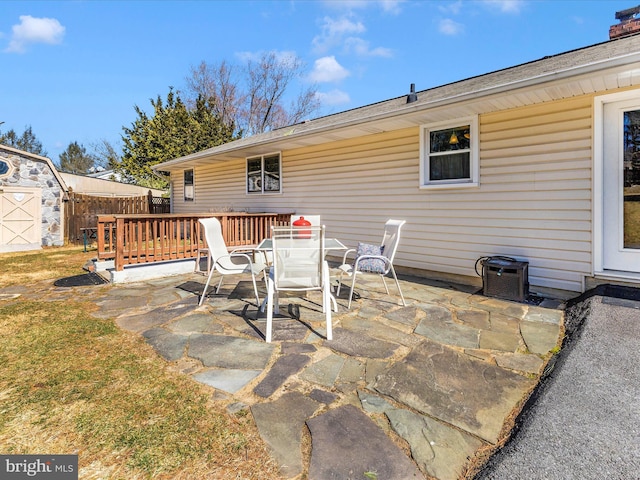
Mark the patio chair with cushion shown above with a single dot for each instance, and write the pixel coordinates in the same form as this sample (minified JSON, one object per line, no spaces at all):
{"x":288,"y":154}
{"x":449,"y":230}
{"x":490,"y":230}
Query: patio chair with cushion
{"x":238,"y":261}
{"x":298,"y":265}
{"x":375,"y":259}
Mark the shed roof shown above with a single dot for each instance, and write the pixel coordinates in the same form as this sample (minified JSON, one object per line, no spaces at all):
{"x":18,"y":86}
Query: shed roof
{"x":39,"y":158}
{"x":604,"y":66}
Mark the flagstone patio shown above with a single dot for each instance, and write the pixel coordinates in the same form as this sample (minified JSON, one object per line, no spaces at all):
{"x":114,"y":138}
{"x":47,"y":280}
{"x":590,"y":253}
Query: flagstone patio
{"x":422,"y":391}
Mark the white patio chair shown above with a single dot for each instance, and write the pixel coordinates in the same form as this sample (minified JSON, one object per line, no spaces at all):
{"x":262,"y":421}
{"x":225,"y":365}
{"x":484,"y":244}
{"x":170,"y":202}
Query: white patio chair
{"x":314,"y":220}
{"x":374,"y":259}
{"x":225,"y":262}
{"x":298,"y":265}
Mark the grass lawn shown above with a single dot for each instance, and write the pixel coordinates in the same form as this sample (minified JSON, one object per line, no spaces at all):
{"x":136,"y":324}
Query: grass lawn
{"x":632,"y":224}
{"x":71,"y":383}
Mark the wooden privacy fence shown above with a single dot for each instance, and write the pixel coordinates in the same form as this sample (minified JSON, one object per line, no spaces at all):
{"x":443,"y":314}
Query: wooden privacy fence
{"x":82,"y":211}
{"x":139,"y":239}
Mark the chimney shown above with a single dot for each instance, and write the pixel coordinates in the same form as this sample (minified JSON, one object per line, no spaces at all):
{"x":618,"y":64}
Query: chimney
{"x":629,"y":23}
{"x":413,"y":96}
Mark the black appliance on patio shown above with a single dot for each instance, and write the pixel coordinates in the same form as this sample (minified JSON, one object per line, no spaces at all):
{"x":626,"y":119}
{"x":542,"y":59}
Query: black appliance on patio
{"x":505,"y":278}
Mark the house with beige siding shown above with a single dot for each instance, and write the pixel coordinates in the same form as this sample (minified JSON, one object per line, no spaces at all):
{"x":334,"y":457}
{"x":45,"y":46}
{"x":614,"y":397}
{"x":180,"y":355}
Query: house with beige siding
{"x":532,"y":162}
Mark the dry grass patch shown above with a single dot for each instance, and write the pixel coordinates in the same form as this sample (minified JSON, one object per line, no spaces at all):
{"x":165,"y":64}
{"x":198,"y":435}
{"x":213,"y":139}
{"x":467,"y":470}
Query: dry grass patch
{"x":72,"y":383}
{"x":24,"y":268}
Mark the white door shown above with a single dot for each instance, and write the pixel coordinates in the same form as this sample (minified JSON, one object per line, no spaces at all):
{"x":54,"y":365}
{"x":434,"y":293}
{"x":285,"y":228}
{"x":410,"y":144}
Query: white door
{"x":20,"y":223}
{"x":621,"y":185}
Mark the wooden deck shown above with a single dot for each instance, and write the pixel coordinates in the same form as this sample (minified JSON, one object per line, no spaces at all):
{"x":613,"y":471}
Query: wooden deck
{"x":146,"y":238}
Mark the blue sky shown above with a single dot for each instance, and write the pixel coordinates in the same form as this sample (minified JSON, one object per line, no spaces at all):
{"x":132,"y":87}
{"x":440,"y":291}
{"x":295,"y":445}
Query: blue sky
{"x":74,"y":70}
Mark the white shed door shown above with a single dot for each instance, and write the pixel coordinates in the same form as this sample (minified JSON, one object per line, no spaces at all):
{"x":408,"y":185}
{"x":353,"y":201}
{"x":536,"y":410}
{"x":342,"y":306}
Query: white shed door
{"x":621,"y":213}
{"x":20,"y":222}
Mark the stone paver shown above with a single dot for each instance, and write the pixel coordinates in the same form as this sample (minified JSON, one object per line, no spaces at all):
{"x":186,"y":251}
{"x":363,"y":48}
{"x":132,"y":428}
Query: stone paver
{"x":279,"y":372}
{"x":346,"y":443}
{"x":228,"y":379}
{"x":439,"y":326}
{"x":281,"y":423}
{"x":540,"y":337}
{"x":196,"y":323}
{"x":225,"y":351}
{"x":520,"y":362}
{"x":445,"y":374}
{"x":167,"y":344}
{"x":439,"y":449}
{"x":360,"y":344}
{"x":325,"y":371}
{"x":472,"y":395}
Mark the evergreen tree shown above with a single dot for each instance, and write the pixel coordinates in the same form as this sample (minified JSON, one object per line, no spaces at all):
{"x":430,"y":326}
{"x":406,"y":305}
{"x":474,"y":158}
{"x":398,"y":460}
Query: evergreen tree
{"x":171,"y":132}
{"x":75,"y":159}
{"x":26,"y":142}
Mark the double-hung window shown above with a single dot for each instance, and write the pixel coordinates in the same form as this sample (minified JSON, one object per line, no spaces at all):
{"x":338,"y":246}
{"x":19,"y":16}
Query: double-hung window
{"x":264,"y":174}
{"x":449,"y":154}
{"x":188,"y":186}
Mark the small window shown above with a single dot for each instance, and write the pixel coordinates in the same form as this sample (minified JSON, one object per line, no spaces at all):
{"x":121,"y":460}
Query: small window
{"x":188,"y":186}
{"x":449,"y":154}
{"x":263,"y":174}
{"x":5,"y":169}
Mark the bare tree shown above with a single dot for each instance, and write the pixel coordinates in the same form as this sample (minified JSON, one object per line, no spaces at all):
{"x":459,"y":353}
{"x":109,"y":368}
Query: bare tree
{"x":218,"y":84}
{"x":105,"y":154}
{"x":256,"y":102}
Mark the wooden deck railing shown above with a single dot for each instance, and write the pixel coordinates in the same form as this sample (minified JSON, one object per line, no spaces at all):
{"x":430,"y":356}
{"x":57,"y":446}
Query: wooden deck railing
{"x":137,"y":239}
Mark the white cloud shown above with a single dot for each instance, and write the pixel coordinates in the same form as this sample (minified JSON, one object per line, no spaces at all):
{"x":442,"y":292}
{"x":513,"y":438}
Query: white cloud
{"x":281,"y":55}
{"x":333,"y":97}
{"x":449,"y":27}
{"x":388,"y":6}
{"x":327,"y":69}
{"x":344,"y":33}
{"x":454,"y":8}
{"x":361,"y":47}
{"x":506,"y":6}
{"x":391,"y":6}
{"x":33,"y":30}
{"x":334,"y":30}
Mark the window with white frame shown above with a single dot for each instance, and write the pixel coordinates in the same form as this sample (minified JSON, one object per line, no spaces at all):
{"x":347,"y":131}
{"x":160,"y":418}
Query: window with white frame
{"x":188,"y":186}
{"x":449,"y":154}
{"x":264,"y":174}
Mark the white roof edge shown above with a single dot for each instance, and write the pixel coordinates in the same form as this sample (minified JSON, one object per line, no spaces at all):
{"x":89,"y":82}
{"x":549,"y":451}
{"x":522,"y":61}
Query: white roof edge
{"x":570,"y":71}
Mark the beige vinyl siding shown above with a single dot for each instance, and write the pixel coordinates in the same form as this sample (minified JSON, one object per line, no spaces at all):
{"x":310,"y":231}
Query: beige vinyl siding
{"x":533,"y":202}
{"x":536,"y":166}
{"x":219,"y":187}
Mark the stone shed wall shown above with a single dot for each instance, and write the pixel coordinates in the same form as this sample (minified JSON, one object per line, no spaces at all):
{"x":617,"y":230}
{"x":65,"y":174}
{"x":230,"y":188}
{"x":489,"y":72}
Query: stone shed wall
{"x":27,"y":170}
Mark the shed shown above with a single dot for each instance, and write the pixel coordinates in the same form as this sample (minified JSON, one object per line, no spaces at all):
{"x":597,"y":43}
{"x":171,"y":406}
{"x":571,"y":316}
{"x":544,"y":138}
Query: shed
{"x":31,"y":201}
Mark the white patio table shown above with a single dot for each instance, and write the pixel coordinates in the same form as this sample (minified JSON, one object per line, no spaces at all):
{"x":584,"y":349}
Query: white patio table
{"x":266,"y":245}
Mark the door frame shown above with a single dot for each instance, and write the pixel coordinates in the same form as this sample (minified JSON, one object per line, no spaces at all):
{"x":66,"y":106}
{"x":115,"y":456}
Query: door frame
{"x":597,"y":176}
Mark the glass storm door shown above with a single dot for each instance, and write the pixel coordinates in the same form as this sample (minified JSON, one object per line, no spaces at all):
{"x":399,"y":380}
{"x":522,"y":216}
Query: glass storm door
{"x":621,"y":209}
